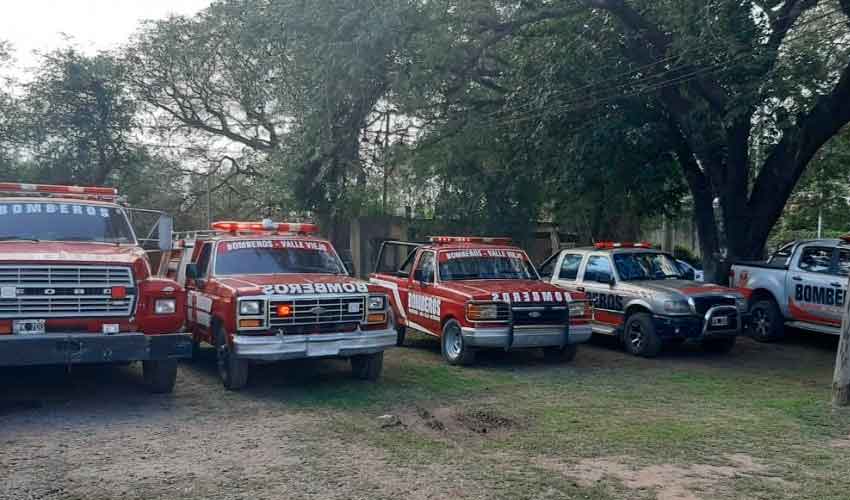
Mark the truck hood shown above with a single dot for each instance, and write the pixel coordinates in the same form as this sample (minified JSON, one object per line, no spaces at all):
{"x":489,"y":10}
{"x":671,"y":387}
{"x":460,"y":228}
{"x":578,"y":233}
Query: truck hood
{"x":54,"y":252}
{"x":294,"y":284}
{"x":684,"y":287}
{"x":511,"y":290}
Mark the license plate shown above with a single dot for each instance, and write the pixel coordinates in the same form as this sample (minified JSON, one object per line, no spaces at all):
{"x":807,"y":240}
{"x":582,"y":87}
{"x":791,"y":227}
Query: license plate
{"x":28,"y":326}
{"x":720,"y":321}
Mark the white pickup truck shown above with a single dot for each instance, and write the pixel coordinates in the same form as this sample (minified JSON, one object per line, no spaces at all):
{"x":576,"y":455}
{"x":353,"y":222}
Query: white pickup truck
{"x":803,"y":285}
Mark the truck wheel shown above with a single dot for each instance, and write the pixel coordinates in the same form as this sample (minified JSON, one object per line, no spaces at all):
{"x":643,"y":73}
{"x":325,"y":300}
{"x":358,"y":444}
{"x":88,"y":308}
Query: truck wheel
{"x":367,"y":366}
{"x":721,"y":345}
{"x":455,"y":351}
{"x":160,"y":375}
{"x":639,"y":336}
{"x":767,"y":325}
{"x":232,"y":371}
{"x":559,"y":354}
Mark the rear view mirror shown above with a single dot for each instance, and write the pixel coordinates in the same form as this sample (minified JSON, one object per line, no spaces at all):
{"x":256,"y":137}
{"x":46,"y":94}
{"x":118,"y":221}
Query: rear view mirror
{"x":165,"y":231}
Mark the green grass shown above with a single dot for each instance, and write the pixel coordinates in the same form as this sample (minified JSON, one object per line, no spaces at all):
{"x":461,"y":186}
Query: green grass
{"x":688,"y":408}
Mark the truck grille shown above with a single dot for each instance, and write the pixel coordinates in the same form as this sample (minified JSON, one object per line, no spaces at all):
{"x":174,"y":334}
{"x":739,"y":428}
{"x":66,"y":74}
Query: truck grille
{"x":703,"y":304}
{"x":540,"y":314}
{"x":319,"y":311}
{"x":64,"y":291}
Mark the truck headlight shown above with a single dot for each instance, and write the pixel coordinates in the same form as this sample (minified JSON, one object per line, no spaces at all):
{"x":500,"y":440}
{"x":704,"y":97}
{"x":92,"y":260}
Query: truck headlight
{"x":250,"y":308}
{"x":165,"y":306}
{"x":577,"y":309}
{"x":377,"y":302}
{"x":483,"y":312}
{"x":677,"y":307}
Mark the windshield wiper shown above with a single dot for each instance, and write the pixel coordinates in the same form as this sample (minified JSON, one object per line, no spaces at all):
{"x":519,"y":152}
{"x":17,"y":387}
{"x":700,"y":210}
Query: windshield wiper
{"x":18,"y":238}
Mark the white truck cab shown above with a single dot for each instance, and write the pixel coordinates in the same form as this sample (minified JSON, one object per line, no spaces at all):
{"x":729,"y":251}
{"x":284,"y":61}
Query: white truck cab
{"x":802,"y":285}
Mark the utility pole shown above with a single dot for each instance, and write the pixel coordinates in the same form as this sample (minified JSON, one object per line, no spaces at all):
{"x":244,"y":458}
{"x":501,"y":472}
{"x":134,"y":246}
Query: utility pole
{"x":841,"y":380}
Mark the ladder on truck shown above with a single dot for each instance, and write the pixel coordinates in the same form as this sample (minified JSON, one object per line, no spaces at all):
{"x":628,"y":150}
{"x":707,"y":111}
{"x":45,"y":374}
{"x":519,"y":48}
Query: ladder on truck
{"x":174,"y":261}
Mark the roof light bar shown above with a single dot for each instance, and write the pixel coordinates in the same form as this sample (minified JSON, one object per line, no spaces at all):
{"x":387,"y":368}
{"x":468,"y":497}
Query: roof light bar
{"x":609,"y":245}
{"x":471,"y":239}
{"x":99,"y":193}
{"x":266,"y":226}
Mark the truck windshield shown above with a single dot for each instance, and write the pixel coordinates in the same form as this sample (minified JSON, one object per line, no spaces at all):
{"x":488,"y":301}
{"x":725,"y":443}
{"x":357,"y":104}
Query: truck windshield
{"x":57,"y":221}
{"x":276,"y":257}
{"x":485,"y":264}
{"x":646,"y":266}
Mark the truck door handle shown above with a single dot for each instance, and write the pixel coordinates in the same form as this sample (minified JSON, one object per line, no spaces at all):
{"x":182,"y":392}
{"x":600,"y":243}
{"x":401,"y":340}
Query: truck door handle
{"x":835,"y":283}
{"x":580,"y":288}
{"x":796,"y":278}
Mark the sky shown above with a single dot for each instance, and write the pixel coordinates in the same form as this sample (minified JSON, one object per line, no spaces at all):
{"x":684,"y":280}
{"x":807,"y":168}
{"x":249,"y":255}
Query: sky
{"x":93,"y":25}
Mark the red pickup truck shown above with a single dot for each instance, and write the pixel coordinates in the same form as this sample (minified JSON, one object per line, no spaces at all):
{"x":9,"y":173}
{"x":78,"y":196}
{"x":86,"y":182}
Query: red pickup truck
{"x":474,"y":293}
{"x":265,"y":291}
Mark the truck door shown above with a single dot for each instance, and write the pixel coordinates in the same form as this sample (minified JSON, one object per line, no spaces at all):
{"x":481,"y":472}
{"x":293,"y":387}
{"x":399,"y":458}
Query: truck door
{"x":565,"y":274}
{"x":423,"y":306}
{"x":815,"y":289}
{"x":198,"y":302}
{"x":607,"y":303}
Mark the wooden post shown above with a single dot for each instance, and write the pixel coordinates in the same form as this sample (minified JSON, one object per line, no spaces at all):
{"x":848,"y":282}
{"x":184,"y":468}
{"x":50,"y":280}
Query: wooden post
{"x":841,"y":380}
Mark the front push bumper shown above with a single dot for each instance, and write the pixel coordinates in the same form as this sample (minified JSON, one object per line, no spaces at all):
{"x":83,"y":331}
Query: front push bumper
{"x":86,"y":348}
{"x":700,"y":327}
{"x":338,"y":345}
{"x":522,"y":337}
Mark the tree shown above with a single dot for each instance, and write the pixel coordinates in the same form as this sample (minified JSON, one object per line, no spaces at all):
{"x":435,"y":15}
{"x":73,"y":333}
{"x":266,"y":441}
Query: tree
{"x":715,"y":100}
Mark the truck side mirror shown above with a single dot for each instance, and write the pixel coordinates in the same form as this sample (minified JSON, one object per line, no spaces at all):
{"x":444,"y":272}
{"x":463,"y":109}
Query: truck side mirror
{"x":690,"y":275}
{"x":165,"y":230}
{"x":192,"y":271}
{"x":417,"y":275}
{"x":611,"y":280}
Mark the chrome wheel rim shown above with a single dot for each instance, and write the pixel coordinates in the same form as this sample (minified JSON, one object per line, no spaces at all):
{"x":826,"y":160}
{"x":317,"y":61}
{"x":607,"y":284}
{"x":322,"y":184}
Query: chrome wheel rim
{"x":635,"y":337}
{"x":761,"y":323}
{"x":454,"y":342}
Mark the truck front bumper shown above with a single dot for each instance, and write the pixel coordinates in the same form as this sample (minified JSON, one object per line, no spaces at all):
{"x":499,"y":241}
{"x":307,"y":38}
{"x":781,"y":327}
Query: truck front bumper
{"x":700,"y":327}
{"x":337,"y":345}
{"x":521,"y":337}
{"x":81,"y":348}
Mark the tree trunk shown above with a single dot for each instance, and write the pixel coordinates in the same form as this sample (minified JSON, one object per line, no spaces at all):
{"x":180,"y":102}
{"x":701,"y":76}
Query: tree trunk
{"x":841,"y":380}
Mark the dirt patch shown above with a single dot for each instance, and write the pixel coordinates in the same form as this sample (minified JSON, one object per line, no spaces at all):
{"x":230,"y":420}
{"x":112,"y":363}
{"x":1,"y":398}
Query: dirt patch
{"x":840,"y":443}
{"x":671,"y":482}
{"x":445,"y":421}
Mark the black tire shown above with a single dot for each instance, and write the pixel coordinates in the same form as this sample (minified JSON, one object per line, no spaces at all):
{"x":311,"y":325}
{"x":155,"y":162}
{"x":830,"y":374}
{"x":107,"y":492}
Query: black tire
{"x":639,"y":336}
{"x":767,"y":323}
{"x":560,"y":354}
{"x":402,"y":332}
{"x":196,"y":350}
{"x":232,"y":371}
{"x":722,"y":345}
{"x":160,"y":375}
{"x":455,"y":350}
{"x":367,"y":366}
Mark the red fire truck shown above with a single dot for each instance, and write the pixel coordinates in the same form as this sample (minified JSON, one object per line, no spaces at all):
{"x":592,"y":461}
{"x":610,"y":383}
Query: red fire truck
{"x":477,"y":292}
{"x":265,"y":291}
{"x":76,"y":284}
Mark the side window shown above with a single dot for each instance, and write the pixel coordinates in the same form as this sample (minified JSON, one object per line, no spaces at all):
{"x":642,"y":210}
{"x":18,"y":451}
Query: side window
{"x":816,"y":259}
{"x":569,"y":267}
{"x":598,"y":269}
{"x":783,"y":254}
{"x":844,"y":262}
{"x":405,"y":268}
{"x":548,"y":267}
{"x":426,"y":267}
{"x":204,"y":261}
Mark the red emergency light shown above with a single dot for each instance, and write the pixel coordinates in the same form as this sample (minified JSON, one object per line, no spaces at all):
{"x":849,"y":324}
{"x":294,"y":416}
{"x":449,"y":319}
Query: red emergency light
{"x":610,"y":245}
{"x":471,"y":239}
{"x":845,"y":240}
{"x":265,"y":226}
{"x":98,"y":193}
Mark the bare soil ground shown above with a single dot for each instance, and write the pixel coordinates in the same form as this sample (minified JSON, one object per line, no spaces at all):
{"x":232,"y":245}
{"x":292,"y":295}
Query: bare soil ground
{"x":687,"y":426}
